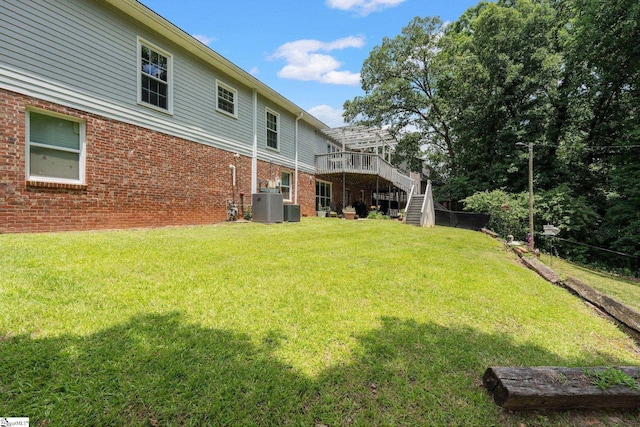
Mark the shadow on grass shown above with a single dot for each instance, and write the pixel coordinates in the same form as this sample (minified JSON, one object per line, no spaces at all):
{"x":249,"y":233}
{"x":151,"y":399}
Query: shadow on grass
{"x":159,"y":370}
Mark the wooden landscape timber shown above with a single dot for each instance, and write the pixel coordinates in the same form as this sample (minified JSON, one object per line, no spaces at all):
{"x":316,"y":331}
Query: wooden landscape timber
{"x":536,"y":265}
{"x":560,"y":388}
{"x":621,"y":313}
{"x":627,"y":317}
{"x":549,"y":387}
{"x":490,"y":233}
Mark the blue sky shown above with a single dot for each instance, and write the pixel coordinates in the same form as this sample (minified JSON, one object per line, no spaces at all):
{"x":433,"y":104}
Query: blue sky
{"x":310,"y":51}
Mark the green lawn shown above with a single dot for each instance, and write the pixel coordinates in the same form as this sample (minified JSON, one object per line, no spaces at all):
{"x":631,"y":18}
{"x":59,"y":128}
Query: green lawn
{"x":323,"y":322}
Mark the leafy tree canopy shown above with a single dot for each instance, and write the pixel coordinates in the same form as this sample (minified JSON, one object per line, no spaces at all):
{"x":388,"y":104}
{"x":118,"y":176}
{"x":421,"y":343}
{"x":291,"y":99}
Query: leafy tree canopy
{"x":562,"y":74}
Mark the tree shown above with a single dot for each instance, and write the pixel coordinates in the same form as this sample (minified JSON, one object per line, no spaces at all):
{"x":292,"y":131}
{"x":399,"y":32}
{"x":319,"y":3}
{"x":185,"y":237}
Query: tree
{"x":502,"y":77}
{"x":607,"y":48}
{"x":408,"y":152}
{"x":562,"y":74}
{"x":399,"y":79}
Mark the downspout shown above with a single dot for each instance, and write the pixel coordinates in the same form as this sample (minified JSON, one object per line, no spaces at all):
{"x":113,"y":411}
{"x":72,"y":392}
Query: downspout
{"x":254,"y":156}
{"x":233,"y":176}
{"x":295,"y":184}
{"x":344,"y":173}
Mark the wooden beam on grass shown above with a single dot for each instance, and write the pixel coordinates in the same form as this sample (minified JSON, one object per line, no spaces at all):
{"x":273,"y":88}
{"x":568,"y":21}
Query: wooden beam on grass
{"x":622,"y":313}
{"x":536,"y":265}
{"x":551,"y":387}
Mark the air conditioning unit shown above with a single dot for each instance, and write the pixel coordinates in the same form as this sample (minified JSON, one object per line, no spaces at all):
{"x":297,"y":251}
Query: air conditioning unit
{"x":267,"y":207}
{"x":292,"y":213}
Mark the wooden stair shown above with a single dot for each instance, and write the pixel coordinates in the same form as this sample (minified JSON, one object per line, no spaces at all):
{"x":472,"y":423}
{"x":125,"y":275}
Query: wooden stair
{"x":412,"y":212}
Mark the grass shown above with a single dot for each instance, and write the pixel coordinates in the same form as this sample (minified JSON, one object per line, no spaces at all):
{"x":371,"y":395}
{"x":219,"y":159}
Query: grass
{"x":322,"y":322}
{"x":622,"y":289}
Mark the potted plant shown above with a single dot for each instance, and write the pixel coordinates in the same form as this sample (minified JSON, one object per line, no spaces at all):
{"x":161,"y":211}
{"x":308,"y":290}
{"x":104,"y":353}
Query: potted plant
{"x":349,"y":212}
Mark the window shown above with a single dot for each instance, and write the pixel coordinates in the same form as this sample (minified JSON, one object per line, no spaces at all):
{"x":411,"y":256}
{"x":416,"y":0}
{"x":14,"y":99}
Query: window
{"x":227,"y":99}
{"x":55,"y":148}
{"x":272,"y":130}
{"x":323,"y":194}
{"x":285,"y":186}
{"x":154,"y":78}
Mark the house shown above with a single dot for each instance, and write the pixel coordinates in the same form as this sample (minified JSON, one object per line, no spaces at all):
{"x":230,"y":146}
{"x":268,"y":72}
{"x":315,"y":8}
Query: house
{"x":112,"y":117}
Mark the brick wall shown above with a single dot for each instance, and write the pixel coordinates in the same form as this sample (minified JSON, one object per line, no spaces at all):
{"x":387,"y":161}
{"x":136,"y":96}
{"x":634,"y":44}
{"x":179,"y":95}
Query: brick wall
{"x":134,"y":178}
{"x":307,"y":194}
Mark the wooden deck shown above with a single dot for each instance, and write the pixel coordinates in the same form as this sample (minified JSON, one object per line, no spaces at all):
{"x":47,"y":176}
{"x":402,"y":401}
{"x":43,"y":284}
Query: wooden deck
{"x":364,"y":164}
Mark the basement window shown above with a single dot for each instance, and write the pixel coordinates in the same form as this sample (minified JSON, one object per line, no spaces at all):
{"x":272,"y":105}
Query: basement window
{"x":323,"y":194}
{"x":285,"y":186}
{"x":55,"y":148}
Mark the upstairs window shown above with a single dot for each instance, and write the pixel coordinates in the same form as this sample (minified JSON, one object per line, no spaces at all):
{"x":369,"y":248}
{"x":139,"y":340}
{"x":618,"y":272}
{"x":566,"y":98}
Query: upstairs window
{"x":227,"y":99}
{"x":273,"y":127}
{"x":55,"y":146}
{"x":154,"y":77}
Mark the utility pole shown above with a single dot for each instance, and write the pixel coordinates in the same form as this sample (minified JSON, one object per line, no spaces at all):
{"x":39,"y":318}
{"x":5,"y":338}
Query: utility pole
{"x":531,"y":238}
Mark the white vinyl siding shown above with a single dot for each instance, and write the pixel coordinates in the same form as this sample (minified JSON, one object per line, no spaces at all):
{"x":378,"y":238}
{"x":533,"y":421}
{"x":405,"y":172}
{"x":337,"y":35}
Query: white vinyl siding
{"x":55,"y":148}
{"x":227,"y":99}
{"x":92,"y":64}
{"x":155,"y":77}
{"x":273,"y":130}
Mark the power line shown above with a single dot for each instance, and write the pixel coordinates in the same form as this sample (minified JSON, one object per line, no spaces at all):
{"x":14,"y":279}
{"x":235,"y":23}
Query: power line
{"x":590,"y":148}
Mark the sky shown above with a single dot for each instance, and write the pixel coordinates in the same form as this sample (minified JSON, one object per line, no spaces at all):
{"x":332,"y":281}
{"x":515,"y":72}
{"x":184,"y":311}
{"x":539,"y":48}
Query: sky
{"x":309,"y":51}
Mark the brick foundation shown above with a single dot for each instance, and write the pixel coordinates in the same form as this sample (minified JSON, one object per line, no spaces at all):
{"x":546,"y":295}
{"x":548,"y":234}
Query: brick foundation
{"x":135,"y":177}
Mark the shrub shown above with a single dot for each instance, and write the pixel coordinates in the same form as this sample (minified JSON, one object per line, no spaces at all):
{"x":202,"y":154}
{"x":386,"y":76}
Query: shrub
{"x":509,"y":212}
{"x":377,"y":215}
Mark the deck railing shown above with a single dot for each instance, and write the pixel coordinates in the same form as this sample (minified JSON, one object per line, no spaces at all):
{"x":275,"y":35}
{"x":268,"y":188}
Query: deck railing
{"x":362,"y":163}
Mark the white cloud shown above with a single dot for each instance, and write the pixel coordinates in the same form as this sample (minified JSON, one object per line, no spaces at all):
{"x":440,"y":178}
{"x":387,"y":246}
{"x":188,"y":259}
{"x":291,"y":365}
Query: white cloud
{"x":304,"y":62}
{"x":204,"y":39}
{"x":362,"y":7}
{"x":254,"y":71}
{"x":328,"y":115}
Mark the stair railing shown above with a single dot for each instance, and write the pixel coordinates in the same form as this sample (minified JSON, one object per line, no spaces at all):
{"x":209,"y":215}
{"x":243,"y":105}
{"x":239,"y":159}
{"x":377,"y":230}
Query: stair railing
{"x":406,"y":208}
{"x":422,"y":209}
{"x":428,"y":198}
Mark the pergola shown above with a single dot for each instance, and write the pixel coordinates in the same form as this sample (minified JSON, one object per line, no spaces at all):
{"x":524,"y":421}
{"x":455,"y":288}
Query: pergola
{"x":363,"y":138}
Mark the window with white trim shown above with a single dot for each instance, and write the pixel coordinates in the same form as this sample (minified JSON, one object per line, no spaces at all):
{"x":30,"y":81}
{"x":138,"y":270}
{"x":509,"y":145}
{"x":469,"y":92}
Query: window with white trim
{"x":323,"y":194}
{"x":285,"y":186}
{"x":55,"y":148}
{"x":332,"y":148}
{"x":227,"y":99}
{"x":273,"y":129}
{"x":154,"y":77}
